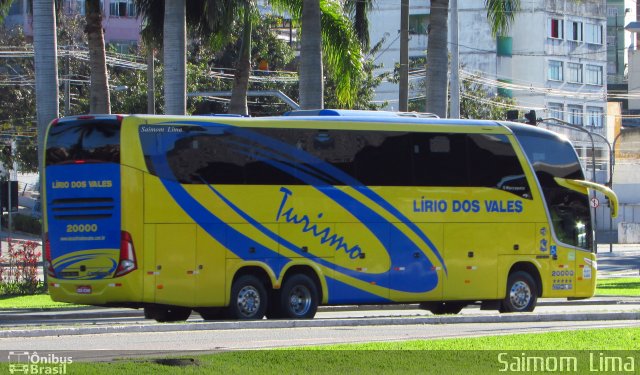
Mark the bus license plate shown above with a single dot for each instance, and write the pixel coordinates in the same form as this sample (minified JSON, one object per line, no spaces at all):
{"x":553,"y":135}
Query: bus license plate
{"x":83,"y":289}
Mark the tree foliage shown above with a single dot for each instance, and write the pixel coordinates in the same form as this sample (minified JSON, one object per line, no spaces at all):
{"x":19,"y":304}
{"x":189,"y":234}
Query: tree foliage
{"x":479,"y":102}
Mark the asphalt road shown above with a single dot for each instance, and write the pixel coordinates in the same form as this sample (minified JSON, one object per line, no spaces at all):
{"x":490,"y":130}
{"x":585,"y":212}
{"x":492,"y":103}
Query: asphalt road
{"x":110,"y":346}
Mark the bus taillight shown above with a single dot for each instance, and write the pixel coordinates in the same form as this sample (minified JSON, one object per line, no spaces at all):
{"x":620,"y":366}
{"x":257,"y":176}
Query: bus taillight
{"x":127,"y":255}
{"x":47,"y":256}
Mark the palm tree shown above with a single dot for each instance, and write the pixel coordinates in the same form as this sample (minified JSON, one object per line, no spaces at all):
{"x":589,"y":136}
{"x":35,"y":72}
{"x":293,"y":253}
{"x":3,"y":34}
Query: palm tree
{"x":238,"y":103}
{"x":99,"y":100}
{"x":310,"y":69}
{"x":340,"y":50}
{"x":175,"y":57}
{"x":358,"y":10}
{"x":500,"y":14}
{"x":46,"y":68}
{"x":4,"y":8}
{"x":342,"y":53}
{"x":438,"y":59}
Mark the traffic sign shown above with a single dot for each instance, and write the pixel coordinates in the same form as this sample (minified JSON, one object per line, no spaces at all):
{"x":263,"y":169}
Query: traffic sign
{"x":595,"y":203}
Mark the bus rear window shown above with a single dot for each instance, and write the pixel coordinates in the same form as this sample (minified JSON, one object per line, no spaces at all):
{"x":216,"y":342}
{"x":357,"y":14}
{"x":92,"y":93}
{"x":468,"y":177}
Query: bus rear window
{"x":83,"y":141}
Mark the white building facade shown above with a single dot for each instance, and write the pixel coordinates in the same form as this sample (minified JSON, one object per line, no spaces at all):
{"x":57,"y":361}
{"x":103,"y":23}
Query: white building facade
{"x":553,"y":60}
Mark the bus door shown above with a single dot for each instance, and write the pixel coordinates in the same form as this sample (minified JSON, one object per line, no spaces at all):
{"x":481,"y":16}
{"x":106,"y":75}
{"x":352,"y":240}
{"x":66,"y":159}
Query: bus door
{"x":175,"y":263}
{"x":472,"y":261}
{"x":209,"y":269}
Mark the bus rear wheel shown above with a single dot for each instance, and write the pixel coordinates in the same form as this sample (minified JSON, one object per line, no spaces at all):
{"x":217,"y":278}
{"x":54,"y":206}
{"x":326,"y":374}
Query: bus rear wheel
{"x":248,"y":298}
{"x":297,"y":299}
{"x":522,"y":293}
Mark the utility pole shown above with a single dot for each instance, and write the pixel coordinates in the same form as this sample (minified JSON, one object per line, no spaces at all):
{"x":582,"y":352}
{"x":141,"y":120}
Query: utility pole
{"x":403,"y":104}
{"x":454,"y":111}
{"x":151,"y":83}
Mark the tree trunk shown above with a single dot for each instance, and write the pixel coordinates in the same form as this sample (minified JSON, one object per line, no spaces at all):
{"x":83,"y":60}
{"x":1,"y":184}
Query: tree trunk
{"x":437,"y":59}
{"x":45,"y":46}
{"x":46,"y":67}
{"x":99,"y":100}
{"x":175,"y":57}
{"x":238,"y":104}
{"x":311,"y":85}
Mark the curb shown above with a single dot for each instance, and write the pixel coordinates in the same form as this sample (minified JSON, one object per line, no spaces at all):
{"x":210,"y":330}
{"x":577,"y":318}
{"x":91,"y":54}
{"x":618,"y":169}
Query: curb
{"x":266,"y":324}
{"x":102,"y":313}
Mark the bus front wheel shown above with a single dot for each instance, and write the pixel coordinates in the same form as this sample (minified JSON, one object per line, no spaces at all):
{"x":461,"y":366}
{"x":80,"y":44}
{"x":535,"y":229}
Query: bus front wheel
{"x":522,"y":293}
{"x":248,"y":298}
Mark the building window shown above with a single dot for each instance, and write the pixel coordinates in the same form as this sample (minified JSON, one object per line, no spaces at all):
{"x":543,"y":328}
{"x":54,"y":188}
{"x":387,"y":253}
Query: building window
{"x":556,"y":110}
{"x":575,"y":114}
{"x":594,"y":116}
{"x":594,"y":75}
{"x":575,"y":73}
{"x":593,"y":33}
{"x":555,"y":70}
{"x":556,"y":28}
{"x":122,"y":8}
{"x":576,"y":31}
{"x":418,"y":24}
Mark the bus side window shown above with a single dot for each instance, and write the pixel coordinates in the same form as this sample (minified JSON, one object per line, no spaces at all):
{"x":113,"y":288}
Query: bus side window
{"x":439,"y":159}
{"x":493,"y":163}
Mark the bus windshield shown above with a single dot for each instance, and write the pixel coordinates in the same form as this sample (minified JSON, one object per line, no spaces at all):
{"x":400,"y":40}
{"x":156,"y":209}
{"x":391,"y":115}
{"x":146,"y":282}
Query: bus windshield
{"x":88,"y":141}
{"x":552,"y":157}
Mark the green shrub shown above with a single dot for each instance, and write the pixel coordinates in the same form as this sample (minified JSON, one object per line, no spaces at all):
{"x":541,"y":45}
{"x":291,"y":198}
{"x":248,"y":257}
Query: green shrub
{"x":23,"y":223}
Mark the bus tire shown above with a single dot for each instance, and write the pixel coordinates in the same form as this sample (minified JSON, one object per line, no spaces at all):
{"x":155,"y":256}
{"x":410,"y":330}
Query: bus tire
{"x":298,"y":298}
{"x":441,"y":308}
{"x":167,"y":314}
{"x":522,"y":293}
{"x":248,"y":298}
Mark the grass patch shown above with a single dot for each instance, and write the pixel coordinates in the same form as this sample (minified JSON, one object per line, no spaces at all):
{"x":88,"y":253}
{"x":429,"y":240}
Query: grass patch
{"x":38,"y":301}
{"x":474,"y":355}
{"x":622,"y":286}
{"x":593,"y":339}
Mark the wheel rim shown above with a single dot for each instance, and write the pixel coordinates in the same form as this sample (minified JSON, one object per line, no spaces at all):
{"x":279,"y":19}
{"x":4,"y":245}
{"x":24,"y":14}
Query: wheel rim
{"x":520,"y":295}
{"x":300,"y":300}
{"x":248,"y":301}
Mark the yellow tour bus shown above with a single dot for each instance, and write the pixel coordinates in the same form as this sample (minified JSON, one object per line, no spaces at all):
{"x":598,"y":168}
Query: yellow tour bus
{"x":244,"y":218}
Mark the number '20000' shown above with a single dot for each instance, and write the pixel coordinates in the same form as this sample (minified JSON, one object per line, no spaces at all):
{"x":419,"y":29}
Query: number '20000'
{"x":82,"y":228}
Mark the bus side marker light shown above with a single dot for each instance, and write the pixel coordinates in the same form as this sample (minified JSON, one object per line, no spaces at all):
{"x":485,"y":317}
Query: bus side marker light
{"x":55,"y":285}
{"x":579,"y":278}
{"x":113,"y":285}
{"x":467,"y":281}
{"x":160,"y":286}
{"x":472,"y":268}
{"x":581,"y":266}
{"x":399,"y":268}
